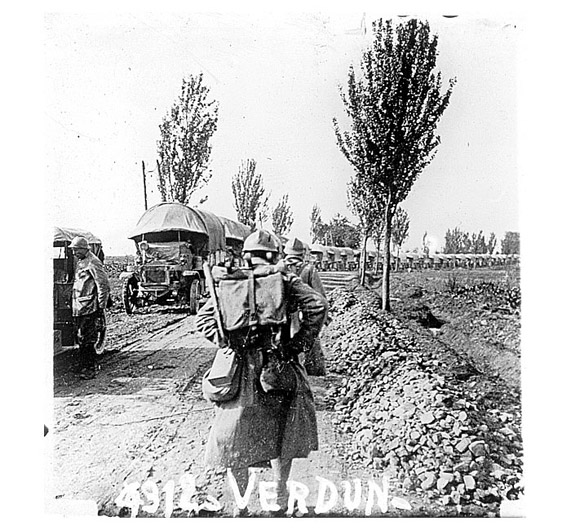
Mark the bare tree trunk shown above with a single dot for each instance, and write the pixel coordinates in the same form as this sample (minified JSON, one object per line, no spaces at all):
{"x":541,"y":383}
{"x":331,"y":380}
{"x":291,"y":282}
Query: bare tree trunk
{"x":363,"y":260}
{"x":387,"y":266}
{"x":378,"y":259}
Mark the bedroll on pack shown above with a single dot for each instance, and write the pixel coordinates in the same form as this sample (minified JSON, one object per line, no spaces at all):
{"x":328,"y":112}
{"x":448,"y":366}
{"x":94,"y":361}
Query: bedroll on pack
{"x":251,"y":297}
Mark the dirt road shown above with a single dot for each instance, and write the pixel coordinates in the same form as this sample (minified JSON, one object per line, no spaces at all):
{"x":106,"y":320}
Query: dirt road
{"x":143,"y":418}
{"x":135,"y":434}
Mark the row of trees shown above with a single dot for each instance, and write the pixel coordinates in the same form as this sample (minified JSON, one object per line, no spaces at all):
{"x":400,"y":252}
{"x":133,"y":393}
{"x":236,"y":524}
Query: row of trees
{"x":251,"y":201}
{"x":393,"y":103}
{"x":184,"y":149}
{"x":339,"y":232}
{"x":458,"y":242}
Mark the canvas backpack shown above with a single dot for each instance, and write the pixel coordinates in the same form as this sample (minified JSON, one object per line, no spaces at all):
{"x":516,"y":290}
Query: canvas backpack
{"x":252,"y":302}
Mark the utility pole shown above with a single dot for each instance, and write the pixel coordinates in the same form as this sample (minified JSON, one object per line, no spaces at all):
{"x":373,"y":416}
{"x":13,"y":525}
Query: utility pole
{"x":144,"y":184}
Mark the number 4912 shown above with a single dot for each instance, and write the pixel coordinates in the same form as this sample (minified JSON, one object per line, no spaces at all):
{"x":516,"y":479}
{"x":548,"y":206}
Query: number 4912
{"x":130,"y":497}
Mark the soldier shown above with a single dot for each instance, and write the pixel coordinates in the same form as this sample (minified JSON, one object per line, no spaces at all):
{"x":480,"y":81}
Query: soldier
{"x":90,"y":295}
{"x":314,"y":360}
{"x":259,"y":426}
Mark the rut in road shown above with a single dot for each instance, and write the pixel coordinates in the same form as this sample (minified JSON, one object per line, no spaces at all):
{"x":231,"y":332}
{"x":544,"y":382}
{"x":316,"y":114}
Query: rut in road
{"x":144,"y":418}
{"x":122,"y":425}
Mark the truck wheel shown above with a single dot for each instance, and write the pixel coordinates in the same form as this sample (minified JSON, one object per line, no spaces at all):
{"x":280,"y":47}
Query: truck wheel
{"x":129,"y":296}
{"x":193,"y":294}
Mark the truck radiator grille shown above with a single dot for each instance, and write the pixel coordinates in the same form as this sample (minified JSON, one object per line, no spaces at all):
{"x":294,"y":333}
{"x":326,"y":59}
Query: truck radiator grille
{"x":154,"y":276}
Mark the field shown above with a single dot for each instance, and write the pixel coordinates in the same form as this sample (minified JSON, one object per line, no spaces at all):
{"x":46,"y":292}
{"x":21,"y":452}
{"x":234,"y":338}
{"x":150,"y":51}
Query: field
{"x":477,"y":313}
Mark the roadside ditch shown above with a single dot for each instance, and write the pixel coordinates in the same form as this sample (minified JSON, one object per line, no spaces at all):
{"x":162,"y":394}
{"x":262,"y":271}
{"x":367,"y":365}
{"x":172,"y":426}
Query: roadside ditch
{"x":447,"y":433}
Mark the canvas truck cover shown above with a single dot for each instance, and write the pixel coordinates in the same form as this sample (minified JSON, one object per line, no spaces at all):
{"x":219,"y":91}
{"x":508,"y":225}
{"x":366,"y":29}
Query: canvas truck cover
{"x":334,"y":253}
{"x":168,"y":217}
{"x":174,"y":217}
{"x":235,"y":230}
{"x":215,"y":230}
{"x":349,"y":252}
{"x":66,"y":235}
{"x":316,"y":248}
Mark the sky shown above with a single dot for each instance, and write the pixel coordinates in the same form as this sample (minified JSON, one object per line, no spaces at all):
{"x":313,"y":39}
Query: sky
{"x":110,"y":78}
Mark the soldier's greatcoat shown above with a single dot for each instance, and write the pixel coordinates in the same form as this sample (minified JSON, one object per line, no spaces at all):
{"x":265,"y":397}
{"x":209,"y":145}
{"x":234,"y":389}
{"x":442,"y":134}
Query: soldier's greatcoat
{"x":256,"y":427}
{"x":314,"y":361}
{"x":90,"y":286}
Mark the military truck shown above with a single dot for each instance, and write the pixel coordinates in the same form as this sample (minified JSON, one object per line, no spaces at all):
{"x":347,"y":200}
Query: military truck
{"x":348,"y":260}
{"x":172,"y":242}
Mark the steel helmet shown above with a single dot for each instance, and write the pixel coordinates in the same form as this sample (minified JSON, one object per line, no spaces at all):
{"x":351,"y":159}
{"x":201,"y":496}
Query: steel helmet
{"x":79,"y":242}
{"x":261,"y":240}
{"x":294,"y":247}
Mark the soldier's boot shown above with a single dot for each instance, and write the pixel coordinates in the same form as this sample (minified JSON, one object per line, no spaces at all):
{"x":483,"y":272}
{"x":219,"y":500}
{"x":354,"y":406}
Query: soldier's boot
{"x":281,"y":468}
{"x":88,"y":359}
{"x":315,"y":360}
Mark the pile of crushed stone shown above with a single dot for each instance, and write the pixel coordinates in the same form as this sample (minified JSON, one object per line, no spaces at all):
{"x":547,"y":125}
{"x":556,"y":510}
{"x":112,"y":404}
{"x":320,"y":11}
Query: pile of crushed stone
{"x":418,"y":410}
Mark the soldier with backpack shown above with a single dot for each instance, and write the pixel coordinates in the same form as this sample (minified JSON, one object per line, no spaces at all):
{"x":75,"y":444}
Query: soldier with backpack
{"x":314,"y":360}
{"x":267,"y":413}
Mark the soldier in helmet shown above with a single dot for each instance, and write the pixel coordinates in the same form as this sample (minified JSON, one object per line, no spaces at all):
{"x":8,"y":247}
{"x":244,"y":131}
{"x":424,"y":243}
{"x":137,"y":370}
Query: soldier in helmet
{"x":90,"y":295}
{"x":294,"y":251}
{"x":258,"y":426}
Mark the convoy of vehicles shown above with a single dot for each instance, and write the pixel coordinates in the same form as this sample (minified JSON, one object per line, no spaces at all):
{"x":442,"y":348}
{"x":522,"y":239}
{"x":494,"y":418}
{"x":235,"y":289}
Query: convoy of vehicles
{"x":65,"y":333}
{"x":329,"y":258}
{"x":173,"y":241}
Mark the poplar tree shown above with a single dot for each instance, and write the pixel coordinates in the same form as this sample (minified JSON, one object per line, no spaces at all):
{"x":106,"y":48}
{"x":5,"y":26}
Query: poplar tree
{"x":282,"y":217}
{"x":510,"y":243}
{"x":394,"y":104}
{"x":184,"y":146}
{"x":317,"y":226}
{"x":453,"y":241}
{"x":491,"y":243}
{"x":367,"y":207}
{"x":401,"y":225}
{"x":250,"y":198}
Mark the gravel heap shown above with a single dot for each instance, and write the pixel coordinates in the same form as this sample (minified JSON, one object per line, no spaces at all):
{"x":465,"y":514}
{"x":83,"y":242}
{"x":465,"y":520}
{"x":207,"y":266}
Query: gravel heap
{"x":438,"y":426}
